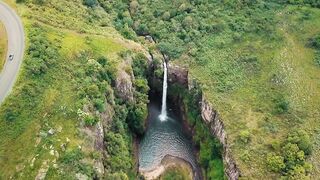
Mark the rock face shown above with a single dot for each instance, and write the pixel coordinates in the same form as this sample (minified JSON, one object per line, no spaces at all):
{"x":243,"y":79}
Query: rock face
{"x":178,"y":75}
{"x":211,"y":118}
{"x":124,"y":86}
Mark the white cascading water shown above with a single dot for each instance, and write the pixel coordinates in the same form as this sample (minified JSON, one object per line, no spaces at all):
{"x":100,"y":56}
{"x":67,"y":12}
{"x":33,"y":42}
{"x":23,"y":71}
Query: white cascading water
{"x":163,"y":115}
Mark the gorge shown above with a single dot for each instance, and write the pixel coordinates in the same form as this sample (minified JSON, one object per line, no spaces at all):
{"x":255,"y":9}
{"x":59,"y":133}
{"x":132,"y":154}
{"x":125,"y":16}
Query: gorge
{"x":173,"y":137}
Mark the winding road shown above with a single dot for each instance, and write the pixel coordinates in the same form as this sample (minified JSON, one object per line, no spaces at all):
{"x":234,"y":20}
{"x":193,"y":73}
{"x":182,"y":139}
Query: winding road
{"x":16,"y":46}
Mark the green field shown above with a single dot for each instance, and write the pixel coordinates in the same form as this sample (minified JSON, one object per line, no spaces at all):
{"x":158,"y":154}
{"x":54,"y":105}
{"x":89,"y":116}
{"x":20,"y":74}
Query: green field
{"x":69,"y":67}
{"x":3,"y":45}
{"x":258,"y":63}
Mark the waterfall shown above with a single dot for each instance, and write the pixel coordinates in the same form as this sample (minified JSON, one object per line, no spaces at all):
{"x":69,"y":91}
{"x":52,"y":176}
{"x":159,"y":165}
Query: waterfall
{"x":163,"y":115}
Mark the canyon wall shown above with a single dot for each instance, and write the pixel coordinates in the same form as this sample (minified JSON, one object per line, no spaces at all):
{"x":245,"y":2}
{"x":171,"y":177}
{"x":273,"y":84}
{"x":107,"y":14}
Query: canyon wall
{"x":209,"y":116}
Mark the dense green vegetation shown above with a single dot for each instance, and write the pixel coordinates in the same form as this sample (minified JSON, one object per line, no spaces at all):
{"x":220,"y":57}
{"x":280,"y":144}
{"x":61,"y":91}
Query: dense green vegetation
{"x":257,"y":62}
{"x":68,"y":82}
{"x":210,"y":149}
{"x":291,"y":159}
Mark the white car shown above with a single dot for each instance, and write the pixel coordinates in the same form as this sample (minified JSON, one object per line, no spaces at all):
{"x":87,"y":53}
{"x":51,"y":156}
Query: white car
{"x":11,"y":57}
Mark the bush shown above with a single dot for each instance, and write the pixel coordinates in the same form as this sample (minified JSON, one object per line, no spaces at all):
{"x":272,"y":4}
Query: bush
{"x":90,"y":120}
{"x":292,"y":155}
{"x":315,"y":42}
{"x":99,"y":104}
{"x":72,"y":157}
{"x":41,"y":54}
{"x":119,"y":153}
{"x":302,"y":139}
{"x":90,"y":3}
{"x":141,"y":85}
{"x":139,"y":65}
{"x":281,"y":105}
{"x":136,"y":118}
{"x":317,"y":58}
{"x":244,"y":136}
{"x":275,"y":163}
{"x":292,"y":161}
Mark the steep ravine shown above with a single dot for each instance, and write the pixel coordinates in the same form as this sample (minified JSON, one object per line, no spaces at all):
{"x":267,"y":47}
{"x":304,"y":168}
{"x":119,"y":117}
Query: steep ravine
{"x":210,"y":116}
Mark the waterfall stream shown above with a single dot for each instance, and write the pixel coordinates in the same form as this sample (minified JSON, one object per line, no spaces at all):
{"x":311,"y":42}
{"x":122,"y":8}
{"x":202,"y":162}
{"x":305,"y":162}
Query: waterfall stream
{"x":163,"y":115}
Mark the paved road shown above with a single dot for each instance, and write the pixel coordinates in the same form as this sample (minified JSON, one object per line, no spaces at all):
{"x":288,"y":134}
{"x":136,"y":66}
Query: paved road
{"x":16,"y":45}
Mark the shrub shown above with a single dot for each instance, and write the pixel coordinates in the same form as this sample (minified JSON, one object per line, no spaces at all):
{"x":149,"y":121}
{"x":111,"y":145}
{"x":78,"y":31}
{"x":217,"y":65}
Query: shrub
{"x":118,"y":150}
{"x":42,"y":54}
{"x":139,"y":65}
{"x":317,"y":58}
{"x":315,"y":42}
{"x":302,"y":139}
{"x":118,"y":176}
{"x":99,"y":104}
{"x":90,"y":120}
{"x":142,"y":85}
{"x":136,"y":118}
{"x":92,"y":91}
{"x":166,"y":16}
{"x":292,"y":155}
{"x":244,"y":136}
{"x":281,"y":105}
{"x":72,"y":157}
{"x":102,"y":60}
{"x":275,"y":163}
{"x":90,"y":3}
{"x":10,"y":115}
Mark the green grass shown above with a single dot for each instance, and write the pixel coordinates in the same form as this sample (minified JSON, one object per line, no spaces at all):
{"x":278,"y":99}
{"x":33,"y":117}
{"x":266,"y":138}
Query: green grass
{"x":51,"y":99}
{"x":3,"y":45}
{"x":249,"y":103}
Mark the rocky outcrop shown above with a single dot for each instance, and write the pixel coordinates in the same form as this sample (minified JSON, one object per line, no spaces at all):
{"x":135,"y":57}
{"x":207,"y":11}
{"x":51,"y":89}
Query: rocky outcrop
{"x":211,"y":118}
{"x":124,"y":86}
{"x":178,"y":75}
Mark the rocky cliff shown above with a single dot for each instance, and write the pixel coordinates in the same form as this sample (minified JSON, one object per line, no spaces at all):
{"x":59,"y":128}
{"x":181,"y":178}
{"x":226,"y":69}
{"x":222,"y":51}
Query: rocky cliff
{"x":211,"y":118}
{"x":209,"y":115}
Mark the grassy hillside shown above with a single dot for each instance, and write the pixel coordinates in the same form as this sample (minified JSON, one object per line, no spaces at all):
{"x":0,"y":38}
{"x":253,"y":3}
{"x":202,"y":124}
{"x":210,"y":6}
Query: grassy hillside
{"x":65,"y":88}
{"x":3,"y":45}
{"x":258,"y":62}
